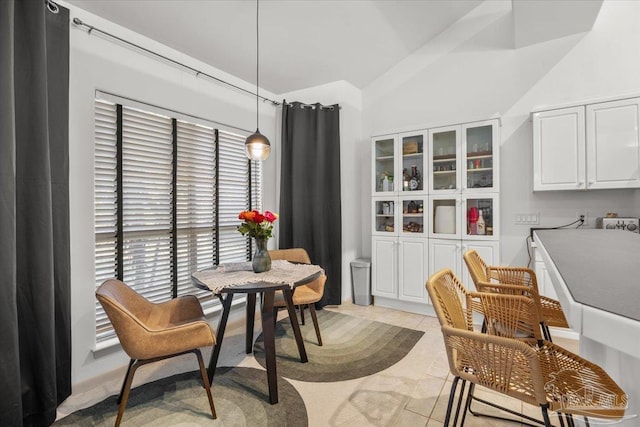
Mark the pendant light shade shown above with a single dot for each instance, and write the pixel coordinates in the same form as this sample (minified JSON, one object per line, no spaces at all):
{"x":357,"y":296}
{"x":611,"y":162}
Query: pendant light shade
{"x":257,"y":146}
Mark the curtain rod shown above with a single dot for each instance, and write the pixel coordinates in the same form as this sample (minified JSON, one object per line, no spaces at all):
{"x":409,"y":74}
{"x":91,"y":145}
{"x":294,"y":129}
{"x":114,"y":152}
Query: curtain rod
{"x":197,"y":72}
{"x":303,"y":105}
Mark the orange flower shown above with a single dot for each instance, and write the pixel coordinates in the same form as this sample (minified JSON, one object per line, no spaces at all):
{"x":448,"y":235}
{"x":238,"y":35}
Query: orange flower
{"x":256,"y":224}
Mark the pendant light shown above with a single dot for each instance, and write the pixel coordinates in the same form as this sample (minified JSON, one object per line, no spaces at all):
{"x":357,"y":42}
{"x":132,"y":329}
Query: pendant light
{"x":257,"y":145}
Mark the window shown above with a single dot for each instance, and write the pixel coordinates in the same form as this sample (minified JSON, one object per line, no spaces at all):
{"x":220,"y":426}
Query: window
{"x":167,"y":197}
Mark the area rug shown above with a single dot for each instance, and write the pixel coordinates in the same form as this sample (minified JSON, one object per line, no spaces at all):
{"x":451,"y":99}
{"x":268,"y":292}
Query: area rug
{"x":352,"y":348}
{"x":240,"y":396}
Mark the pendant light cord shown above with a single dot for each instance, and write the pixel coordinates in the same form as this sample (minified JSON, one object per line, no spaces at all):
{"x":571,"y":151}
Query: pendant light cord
{"x":257,"y":64}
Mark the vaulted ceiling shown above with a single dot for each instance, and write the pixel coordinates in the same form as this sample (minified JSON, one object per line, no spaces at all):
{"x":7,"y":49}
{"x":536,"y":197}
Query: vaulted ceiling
{"x":304,"y":43}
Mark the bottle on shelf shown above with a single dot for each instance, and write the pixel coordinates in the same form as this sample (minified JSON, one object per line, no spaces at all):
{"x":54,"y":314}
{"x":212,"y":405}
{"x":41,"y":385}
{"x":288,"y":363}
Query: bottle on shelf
{"x":472,"y":217}
{"x":385,"y":184}
{"x":480,"y":225}
{"x":414,"y":182}
{"x":405,"y":179}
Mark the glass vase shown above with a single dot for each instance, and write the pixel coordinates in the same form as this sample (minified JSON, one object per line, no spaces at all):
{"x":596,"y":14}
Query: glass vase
{"x":261,"y":259}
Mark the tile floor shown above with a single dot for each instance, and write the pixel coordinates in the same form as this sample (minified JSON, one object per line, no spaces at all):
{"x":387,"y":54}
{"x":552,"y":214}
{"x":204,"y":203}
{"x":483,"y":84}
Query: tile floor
{"x":413,"y":392}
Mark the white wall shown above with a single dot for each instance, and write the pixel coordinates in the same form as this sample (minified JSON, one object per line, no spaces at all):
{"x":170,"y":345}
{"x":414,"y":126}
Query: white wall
{"x":470,"y":72}
{"x":97,"y":63}
{"x":352,"y":165}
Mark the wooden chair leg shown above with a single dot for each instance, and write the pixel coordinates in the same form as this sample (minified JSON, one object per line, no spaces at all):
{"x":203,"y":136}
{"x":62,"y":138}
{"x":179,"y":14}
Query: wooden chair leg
{"x":301,"y":307}
{"x":124,"y":381}
{"x":126,"y":387}
{"x":314,"y":317}
{"x":205,"y":381}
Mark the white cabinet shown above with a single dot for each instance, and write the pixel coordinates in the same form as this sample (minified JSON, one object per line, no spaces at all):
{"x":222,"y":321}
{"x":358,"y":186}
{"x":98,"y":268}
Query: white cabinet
{"x":464,"y":216}
{"x":596,"y":146}
{"x":445,"y":253}
{"x":384,"y":266}
{"x":434,"y":195}
{"x":400,"y":268}
{"x":413,"y":270}
{"x":559,"y":149}
{"x":613,"y":144}
{"x":464,"y":158}
{"x":399,"y":164}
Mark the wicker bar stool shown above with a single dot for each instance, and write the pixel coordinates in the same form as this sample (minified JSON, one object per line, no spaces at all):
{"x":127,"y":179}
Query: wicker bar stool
{"x":535,"y":371}
{"x":489,"y":278}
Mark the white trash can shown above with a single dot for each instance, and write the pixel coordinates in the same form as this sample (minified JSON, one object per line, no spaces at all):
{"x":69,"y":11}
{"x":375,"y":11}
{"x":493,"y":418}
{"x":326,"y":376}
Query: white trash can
{"x":361,"y":281}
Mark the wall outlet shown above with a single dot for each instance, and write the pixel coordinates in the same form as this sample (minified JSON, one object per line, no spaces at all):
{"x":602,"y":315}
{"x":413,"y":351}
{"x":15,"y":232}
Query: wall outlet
{"x":532,"y":218}
{"x":584,"y":214}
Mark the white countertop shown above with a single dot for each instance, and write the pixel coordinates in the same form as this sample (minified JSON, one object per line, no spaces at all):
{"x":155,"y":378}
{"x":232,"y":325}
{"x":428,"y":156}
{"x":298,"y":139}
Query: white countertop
{"x":596,"y":274}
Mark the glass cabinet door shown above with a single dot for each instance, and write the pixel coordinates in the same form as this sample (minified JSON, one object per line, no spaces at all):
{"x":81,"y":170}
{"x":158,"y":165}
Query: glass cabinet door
{"x":444,"y":159}
{"x":384,"y":164}
{"x":445,"y":217}
{"x":481,"y":217}
{"x":384,"y":217}
{"x":413,"y":216}
{"x":480,"y":160}
{"x":412,"y":164}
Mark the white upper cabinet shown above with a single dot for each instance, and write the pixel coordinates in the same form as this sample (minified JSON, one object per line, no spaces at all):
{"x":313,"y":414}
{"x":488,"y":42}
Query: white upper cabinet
{"x":444,"y":158}
{"x":596,"y":146}
{"x":613,"y":144}
{"x":480,"y":162}
{"x":559,"y":149}
{"x":385,"y":165}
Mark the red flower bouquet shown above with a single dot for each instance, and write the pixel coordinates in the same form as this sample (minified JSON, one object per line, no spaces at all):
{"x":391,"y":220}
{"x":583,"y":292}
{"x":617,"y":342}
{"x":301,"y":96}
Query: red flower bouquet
{"x":257,"y":225}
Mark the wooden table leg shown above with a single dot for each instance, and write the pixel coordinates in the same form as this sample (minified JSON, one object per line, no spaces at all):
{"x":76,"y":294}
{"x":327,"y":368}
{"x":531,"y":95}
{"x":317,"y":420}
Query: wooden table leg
{"x":213,"y":362}
{"x":288,"y":296}
{"x":251,"y":313}
{"x":268,"y":332}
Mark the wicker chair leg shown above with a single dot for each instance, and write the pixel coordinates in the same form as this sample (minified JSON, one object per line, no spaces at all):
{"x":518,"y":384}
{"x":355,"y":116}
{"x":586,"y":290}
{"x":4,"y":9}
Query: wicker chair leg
{"x":471,"y":398}
{"x":460,"y":399}
{"x":314,"y":317}
{"x":569,"y":419}
{"x":586,"y":421}
{"x":205,"y":381}
{"x":301,"y":308}
{"x":545,"y":415}
{"x":546,"y":333}
{"x":452,"y":393}
{"x":561,"y":420}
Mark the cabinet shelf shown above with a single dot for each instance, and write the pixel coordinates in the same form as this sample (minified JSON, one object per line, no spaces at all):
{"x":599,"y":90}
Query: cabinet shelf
{"x":479,"y":155}
{"x":413,"y":215}
{"x":412,"y":156}
{"x":444,"y":158}
{"x":384,"y":157}
{"x":444,"y":172}
{"x":480,"y":170}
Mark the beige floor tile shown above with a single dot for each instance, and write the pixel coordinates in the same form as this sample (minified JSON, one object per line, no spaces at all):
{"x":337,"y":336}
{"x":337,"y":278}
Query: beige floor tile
{"x":410,"y":419}
{"x":425,"y":396}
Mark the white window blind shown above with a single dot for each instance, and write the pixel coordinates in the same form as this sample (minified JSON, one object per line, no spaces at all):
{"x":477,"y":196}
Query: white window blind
{"x":167,"y":163}
{"x":105,"y":207}
{"x":196,"y":204}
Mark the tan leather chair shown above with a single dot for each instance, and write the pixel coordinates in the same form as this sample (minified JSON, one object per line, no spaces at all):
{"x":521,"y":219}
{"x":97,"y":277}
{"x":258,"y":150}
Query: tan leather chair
{"x":303,"y":295}
{"x":150,"y":332}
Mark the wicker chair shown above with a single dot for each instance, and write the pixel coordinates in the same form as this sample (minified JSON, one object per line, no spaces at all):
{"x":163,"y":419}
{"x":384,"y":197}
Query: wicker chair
{"x":151,"y":332}
{"x":303,"y":295}
{"x":534,"y":371}
{"x":489,"y":278}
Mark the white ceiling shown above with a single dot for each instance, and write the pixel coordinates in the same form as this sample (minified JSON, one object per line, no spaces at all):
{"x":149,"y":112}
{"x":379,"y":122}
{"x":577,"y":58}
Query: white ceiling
{"x":305,"y":43}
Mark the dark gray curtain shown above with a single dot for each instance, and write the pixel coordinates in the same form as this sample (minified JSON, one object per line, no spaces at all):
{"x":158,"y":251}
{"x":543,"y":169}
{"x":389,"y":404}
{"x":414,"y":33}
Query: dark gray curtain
{"x":310,"y":209}
{"x":35,"y":359}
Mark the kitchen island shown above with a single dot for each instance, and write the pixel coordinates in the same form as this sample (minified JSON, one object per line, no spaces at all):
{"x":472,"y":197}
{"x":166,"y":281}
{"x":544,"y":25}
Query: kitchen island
{"x":596,"y":275}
